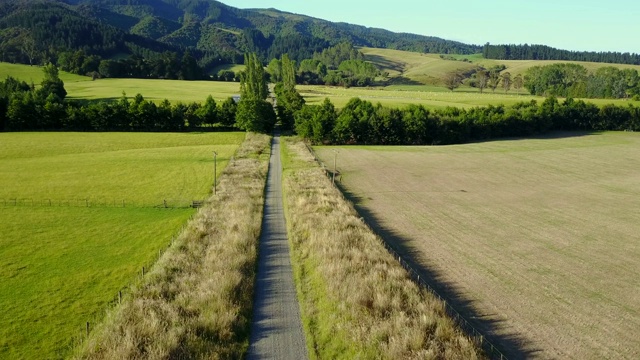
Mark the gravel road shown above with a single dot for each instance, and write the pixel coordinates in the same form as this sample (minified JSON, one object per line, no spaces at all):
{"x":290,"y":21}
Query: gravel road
{"x":276,"y":330}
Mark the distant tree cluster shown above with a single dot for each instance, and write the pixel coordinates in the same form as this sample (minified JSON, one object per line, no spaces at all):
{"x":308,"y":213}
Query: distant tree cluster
{"x":254,"y":112}
{"x":167,"y":65}
{"x":543,"y":52}
{"x":340,"y":65}
{"x":361,"y":122}
{"x":24,"y":107}
{"x":574,"y":80}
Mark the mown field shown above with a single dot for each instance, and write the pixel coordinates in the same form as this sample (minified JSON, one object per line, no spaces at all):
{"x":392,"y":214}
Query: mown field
{"x":538,"y":238}
{"x":63,"y":264}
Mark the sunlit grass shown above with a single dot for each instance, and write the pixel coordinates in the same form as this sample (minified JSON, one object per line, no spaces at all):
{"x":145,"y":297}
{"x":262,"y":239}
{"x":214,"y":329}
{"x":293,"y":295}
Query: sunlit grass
{"x":61,"y":264}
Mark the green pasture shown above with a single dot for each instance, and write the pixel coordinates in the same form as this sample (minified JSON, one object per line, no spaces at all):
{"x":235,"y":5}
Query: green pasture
{"x":34,"y":74}
{"x":62,"y":266}
{"x":427,"y":95}
{"x":414,"y":66}
{"x":82,"y":87}
{"x":152,"y":89}
{"x":62,"y":262}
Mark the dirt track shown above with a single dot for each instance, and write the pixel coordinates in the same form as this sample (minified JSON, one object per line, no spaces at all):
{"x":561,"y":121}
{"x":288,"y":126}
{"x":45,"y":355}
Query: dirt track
{"x":276,"y":330}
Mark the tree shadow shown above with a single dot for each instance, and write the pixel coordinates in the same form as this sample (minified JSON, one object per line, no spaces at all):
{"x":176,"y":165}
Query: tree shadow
{"x":386,"y":63}
{"x":401,"y":80}
{"x":512,"y":345}
{"x":551,"y":135}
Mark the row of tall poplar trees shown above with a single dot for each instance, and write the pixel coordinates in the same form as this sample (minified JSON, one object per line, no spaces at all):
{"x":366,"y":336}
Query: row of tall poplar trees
{"x":254,"y":112}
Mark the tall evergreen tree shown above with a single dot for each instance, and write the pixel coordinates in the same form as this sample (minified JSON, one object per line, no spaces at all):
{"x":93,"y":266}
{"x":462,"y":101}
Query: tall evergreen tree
{"x":288,"y":99}
{"x":253,"y":112}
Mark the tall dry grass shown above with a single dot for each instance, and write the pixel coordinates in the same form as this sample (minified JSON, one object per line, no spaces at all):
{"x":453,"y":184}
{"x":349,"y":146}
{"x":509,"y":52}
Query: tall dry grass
{"x":196,"y":301}
{"x":357,"y":301}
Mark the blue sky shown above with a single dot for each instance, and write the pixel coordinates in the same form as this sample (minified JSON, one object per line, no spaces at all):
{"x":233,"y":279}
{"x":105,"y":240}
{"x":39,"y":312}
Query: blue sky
{"x":604,"y":25}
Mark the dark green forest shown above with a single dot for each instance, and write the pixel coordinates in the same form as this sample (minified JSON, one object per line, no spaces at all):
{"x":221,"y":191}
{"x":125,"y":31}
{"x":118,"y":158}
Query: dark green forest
{"x":543,"y":52}
{"x":573,"y":80}
{"x":130,"y":32}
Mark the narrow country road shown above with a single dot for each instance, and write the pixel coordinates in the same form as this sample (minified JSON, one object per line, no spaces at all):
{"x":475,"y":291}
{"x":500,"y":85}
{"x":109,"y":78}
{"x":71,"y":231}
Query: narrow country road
{"x":276,"y":330}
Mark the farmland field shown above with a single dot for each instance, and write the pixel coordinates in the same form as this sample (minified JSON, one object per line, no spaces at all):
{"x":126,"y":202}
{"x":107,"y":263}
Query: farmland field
{"x":430,"y":96}
{"x":537,"y":240}
{"x":430,"y":68}
{"x":63,"y":262}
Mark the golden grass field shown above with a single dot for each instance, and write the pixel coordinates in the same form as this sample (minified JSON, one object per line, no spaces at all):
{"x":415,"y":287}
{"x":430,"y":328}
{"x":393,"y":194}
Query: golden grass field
{"x":537,"y":239}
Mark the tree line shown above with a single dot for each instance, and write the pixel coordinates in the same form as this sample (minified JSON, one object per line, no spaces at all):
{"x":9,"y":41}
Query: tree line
{"x":24,"y":107}
{"x":574,"y":80}
{"x":339,"y":65}
{"x":361,"y":122}
{"x":543,"y":52}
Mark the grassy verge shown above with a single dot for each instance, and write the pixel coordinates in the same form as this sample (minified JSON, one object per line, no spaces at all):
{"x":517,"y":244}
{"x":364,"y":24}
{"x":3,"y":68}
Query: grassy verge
{"x":356,"y":300}
{"x":196,"y":301}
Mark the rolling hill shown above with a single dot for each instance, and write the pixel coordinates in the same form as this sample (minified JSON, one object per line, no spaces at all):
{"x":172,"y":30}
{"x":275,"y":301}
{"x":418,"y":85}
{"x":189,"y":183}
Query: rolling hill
{"x":213,"y":32}
{"x":405,"y":67}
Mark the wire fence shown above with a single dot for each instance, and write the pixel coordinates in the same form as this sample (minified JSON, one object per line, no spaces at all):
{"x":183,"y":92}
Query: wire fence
{"x":490,"y":348}
{"x":102,"y":203}
{"x":84,"y":330}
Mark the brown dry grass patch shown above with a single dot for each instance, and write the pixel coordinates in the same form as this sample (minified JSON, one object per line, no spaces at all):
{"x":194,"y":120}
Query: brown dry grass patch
{"x":356,"y":299}
{"x":196,"y":301}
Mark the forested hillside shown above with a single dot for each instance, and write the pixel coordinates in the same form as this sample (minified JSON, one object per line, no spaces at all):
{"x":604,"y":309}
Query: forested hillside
{"x":543,"y":52}
{"x":152,"y":31}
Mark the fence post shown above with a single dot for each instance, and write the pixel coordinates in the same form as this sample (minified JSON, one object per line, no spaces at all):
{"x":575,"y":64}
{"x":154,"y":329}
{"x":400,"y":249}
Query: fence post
{"x":120,"y":297}
{"x":87,"y":329}
{"x":143,"y":271}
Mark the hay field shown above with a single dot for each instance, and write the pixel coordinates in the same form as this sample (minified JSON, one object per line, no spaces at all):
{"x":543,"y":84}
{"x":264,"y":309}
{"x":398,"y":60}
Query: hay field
{"x":536,"y":240}
{"x":62,"y":264}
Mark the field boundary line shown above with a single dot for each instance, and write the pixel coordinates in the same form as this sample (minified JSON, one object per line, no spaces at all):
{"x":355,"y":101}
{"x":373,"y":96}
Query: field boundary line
{"x":487,"y":345}
{"x":167,"y":203}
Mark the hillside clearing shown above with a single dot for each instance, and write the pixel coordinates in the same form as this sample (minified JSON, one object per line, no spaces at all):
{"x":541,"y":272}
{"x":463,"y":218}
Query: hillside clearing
{"x":537,"y":237}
